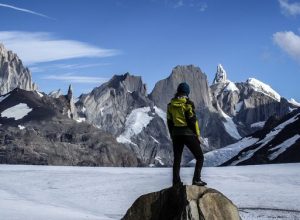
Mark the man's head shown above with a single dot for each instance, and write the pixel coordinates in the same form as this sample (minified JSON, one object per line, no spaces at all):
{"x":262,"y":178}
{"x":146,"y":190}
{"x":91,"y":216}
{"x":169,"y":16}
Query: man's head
{"x":183,"y":88}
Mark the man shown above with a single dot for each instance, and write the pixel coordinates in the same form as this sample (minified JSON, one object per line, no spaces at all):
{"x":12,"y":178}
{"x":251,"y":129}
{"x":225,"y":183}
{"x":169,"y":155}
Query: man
{"x":184,"y":130}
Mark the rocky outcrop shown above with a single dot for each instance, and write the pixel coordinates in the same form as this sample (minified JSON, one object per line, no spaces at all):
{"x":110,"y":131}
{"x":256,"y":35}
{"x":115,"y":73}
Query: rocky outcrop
{"x":221,"y":75}
{"x":12,"y":73}
{"x":35,"y":130}
{"x":183,"y":203}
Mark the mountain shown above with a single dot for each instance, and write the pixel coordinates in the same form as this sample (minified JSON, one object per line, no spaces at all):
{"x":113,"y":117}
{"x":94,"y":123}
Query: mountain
{"x":210,"y":118}
{"x":277,"y":142}
{"x":12,"y":73}
{"x":35,"y":129}
{"x":122,"y":108}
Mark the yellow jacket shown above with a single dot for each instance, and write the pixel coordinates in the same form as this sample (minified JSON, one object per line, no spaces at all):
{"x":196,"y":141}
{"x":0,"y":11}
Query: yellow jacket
{"x":181,"y":117}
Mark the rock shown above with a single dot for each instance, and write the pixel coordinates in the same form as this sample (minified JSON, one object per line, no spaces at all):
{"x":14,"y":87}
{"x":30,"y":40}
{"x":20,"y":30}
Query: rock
{"x":12,"y":73}
{"x":183,"y":203}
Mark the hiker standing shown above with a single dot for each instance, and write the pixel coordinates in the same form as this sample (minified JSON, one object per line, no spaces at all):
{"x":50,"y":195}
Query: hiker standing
{"x":184,"y":130}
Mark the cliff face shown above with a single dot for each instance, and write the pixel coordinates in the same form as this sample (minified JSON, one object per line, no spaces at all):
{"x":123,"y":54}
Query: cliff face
{"x":12,"y":73}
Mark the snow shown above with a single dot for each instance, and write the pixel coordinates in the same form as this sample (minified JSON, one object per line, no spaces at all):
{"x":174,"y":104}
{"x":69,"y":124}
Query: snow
{"x":239,"y":106}
{"x":220,"y":156}
{"x":263,"y":88}
{"x":231,"y":87}
{"x":21,"y":127}
{"x":161,"y":114}
{"x":80,"y":119}
{"x":259,"y":124}
{"x":294,"y":102}
{"x":17,"y":112}
{"x":4,"y":97}
{"x":221,"y":75}
{"x":136,"y":121}
{"x":269,"y":137}
{"x":73,"y":193}
{"x":158,"y":158}
{"x":40,"y":94}
{"x":279,"y":149}
{"x":230,"y":126}
{"x":155,"y":140}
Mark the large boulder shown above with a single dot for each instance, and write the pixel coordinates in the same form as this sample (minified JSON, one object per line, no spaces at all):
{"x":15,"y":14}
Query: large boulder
{"x":183,"y":203}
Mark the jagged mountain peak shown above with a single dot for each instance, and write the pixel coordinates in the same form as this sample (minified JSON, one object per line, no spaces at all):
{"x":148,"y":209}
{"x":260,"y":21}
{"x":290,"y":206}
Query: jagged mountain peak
{"x":221,"y":75}
{"x":185,"y":69}
{"x":13,"y":74}
{"x":259,"y":86}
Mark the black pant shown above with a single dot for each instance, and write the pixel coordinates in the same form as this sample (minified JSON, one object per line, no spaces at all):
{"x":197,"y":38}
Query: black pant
{"x":193,"y":144}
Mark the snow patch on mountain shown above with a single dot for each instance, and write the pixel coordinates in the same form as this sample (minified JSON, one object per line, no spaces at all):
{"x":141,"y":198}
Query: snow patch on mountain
{"x":220,"y":156}
{"x":21,"y":127}
{"x":4,"y":97}
{"x":259,"y":124}
{"x":269,"y":137}
{"x":294,"y":102}
{"x":231,"y":87}
{"x":239,"y":106}
{"x":230,"y":126}
{"x":136,"y":121}
{"x":263,"y":88}
{"x":279,"y":149}
{"x":17,"y":112}
{"x":158,"y":158}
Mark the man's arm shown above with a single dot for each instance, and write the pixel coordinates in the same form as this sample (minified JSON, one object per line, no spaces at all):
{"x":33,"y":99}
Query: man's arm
{"x":170,"y":121}
{"x":191,"y":118}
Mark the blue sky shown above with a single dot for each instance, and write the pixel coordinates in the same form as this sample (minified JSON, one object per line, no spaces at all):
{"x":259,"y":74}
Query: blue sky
{"x":86,"y":42}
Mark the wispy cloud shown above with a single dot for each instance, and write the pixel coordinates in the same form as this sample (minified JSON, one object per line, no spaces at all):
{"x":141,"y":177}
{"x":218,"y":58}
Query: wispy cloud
{"x":25,"y":10}
{"x":37,"y":47}
{"x":44,"y":68}
{"x":198,"y":4}
{"x":70,"y":78}
{"x":289,"y":42}
{"x":289,"y":8}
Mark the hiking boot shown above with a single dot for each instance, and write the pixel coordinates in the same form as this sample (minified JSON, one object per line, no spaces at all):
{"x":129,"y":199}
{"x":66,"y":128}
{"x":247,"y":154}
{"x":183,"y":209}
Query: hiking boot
{"x":199,"y":183}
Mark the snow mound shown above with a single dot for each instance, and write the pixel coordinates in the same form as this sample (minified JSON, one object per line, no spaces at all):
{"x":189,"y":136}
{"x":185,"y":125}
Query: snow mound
{"x":263,"y":88}
{"x":17,"y":112}
{"x":136,"y":121}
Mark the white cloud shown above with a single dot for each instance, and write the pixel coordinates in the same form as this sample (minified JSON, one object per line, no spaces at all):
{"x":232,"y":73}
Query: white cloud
{"x":37,"y":47}
{"x":24,"y":10}
{"x":70,"y":78}
{"x":289,"y":8}
{"x":45,"y":68}
{"x":289,"y":42}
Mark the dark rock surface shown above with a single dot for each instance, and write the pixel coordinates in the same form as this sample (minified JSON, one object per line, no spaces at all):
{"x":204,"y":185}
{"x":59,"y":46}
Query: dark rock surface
{"x":47,"y":136}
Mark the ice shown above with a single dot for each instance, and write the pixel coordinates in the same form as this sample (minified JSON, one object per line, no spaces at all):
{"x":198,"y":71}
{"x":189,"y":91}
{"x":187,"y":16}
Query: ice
{"x":263,"y":88}
{"x":230,"y":126}
{"x":65,"y":193}
{"x":17,"y":112}
{"x":279,"y":149}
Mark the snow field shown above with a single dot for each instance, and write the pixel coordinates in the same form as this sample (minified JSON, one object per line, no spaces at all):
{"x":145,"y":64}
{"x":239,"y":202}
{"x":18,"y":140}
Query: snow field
{"x":48,"y":192}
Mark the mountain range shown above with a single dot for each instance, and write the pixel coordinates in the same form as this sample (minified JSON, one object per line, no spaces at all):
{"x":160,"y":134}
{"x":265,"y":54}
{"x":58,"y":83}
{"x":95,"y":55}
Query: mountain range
{"x":119,"y":123}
